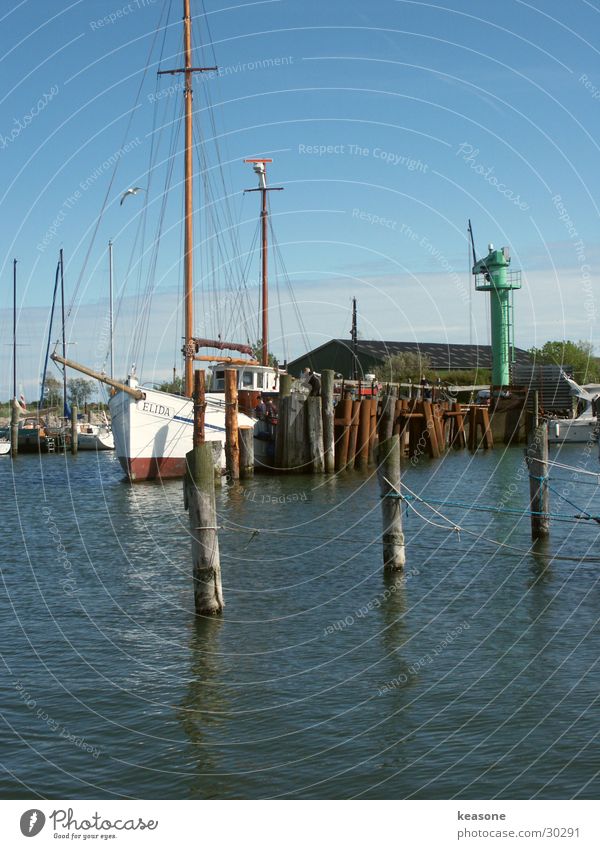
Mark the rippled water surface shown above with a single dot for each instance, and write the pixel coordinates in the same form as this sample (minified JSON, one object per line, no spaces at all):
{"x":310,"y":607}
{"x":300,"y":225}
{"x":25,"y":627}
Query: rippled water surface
{"x":475,"y":675}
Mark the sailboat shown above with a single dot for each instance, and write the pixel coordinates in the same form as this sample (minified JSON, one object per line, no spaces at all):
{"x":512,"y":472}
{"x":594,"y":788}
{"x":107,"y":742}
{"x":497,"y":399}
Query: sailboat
{"x":152,"y":429}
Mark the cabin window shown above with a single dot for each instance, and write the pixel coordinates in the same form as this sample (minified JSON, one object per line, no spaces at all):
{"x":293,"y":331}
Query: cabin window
{"x":247,"y":380}
{"x":260,"y":380}
{"x":219,"y":380}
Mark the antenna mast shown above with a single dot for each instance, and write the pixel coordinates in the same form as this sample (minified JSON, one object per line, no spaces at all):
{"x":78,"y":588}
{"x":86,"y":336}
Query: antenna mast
{"x":260,"y":168}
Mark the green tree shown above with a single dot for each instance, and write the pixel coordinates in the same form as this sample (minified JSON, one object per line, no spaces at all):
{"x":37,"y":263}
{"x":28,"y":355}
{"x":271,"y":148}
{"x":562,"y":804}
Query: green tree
{"x":80,"y":390}
{"x":52,"y":392}
{"x":257,"y":354}
{"x":402,"y":368}
{"x":175,"y":386}
{"x":577,"y":355}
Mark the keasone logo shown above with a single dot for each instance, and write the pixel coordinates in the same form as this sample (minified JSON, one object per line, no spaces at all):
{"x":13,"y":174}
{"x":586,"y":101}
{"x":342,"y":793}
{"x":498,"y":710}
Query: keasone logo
{"x":32,"y":822}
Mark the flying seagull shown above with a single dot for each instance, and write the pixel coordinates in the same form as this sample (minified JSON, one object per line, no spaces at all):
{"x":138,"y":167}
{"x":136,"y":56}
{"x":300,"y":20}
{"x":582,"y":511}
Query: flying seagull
{"x":132,"y":191}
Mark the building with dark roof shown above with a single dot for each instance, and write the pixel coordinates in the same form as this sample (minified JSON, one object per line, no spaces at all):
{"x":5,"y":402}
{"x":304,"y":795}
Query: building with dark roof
{"x":337,"y":355}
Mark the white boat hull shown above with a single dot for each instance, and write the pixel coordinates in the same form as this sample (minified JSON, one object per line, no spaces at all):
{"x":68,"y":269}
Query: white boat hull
{"x":153,"y":435}
{"x":98,"y":439}
{"x":4,"y":447}
{"x":572,"y":430}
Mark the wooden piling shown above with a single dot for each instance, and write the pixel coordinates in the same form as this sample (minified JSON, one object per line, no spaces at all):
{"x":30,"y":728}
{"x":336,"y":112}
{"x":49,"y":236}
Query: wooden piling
{"x":246,"y":443}
{"x":364,"y":434}
{"x":199,"y":406}
{"x":387,"y":416}
{"x":537,"y":461}
{"x":232,"y":448}
{"x":394,"y":553}
{"x":430,"y":432}
{"x":327,"y":378}
{"x":314,"y":426}
{"x":200,"y":502}
{"x":74,"y":432}
{"x":285,"y":385}
{"x":353,"y":434}
{"x":372,"y":458}
{"x":342,"y":425}
{"x":14,"y":428}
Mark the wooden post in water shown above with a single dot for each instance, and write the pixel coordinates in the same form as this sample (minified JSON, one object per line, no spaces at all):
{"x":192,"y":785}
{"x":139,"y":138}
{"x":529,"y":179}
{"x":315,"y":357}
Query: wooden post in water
{"x":246,"y":441}
{"x":327,"y":377}
{"x":388,"y":414}
{"x":537,"y":460}
{"x":232,"y":447}
{"x":74,"y":433}
{"x":353,"y":434}
{"x":14,"y":427}
{"x":285,"y":385}
{"x":314,"y":426}
{"x":199,"y":500}
{"x":364,"y":433}
{"x":343,"y":423}
{"x":281,"y":432}
{"x":199,"y":407}
{"x":394,"y":553}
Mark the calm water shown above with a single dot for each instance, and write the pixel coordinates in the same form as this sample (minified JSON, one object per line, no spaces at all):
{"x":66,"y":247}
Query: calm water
{"x":475,"y":676}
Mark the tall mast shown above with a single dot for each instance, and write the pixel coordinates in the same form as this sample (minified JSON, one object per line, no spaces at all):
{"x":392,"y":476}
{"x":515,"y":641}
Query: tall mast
{"x":354,"y":337}
{"x":64,"y":342}
{"x":110,"y":307}
{"x":189,"y":204}
{"x":260,"y":168}
{"x":15,"y":329}
{"x":188,"y":70}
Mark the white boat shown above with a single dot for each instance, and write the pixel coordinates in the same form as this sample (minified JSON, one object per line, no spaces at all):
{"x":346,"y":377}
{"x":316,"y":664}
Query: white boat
{"x":582,"y":428}
{"x":4,"y":447}
{"x":92,"y":437}
{"x":153,"y":430}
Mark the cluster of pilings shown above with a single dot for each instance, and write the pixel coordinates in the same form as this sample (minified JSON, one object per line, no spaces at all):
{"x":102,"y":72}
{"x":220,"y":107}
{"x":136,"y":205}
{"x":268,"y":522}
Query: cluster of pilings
{"x":314,"y":435}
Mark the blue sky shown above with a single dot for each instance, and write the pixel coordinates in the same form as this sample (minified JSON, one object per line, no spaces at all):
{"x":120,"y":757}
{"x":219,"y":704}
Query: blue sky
{"x":390,"y":124}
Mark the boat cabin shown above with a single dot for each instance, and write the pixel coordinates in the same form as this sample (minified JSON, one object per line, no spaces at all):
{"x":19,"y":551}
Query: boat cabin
{"x":251,"y":378}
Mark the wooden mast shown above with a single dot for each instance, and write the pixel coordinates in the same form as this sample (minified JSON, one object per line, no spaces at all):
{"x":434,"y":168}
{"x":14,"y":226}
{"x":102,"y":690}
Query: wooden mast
{"x":260,"y":167}
{"x":189,"y":204}
{"x":188,"y":70}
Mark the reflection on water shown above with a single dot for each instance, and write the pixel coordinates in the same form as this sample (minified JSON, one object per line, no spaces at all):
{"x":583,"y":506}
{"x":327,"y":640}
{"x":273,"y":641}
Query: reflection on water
{"x":470,"y":674}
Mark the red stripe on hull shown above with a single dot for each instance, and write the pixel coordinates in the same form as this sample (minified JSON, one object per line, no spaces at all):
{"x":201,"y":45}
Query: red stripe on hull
{"x":153,"y":468}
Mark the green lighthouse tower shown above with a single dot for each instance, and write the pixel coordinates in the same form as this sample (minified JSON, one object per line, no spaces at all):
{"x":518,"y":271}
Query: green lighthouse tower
{"x":492,"y":275}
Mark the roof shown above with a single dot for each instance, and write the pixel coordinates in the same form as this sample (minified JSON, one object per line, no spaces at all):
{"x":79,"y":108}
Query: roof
{"x":441,"y":355}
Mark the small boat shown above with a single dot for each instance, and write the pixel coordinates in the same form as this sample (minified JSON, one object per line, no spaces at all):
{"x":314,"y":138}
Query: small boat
{"x":93,"y":437}
{"x":584,"y":427}
{"x":4,"y":447}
